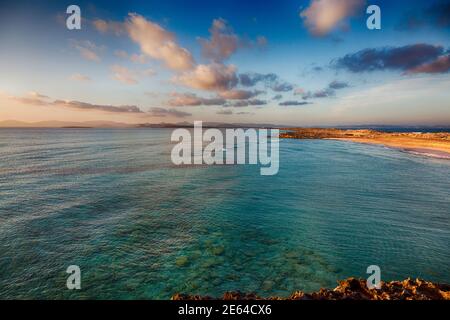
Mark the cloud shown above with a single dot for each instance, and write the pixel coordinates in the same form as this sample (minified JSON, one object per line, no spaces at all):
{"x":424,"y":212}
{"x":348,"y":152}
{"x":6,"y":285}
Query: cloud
{"x":161,"y":112}
{"x":336,"y":85}
{"x":87,"y":49}
{"x":97,"y":107}
{"x":225,"y":112}
{"x":212,"y":77}
{"x":404,"y":58}
{"x":32,"y":98}
{"x":158,"y":43}
{"x":269,"y":80}
{"x":37,"y":99}
{"x":103,"y":26}
{"x":128,"y":76}
{"x":139,"y":58}
{"x":124,"y":74}
{"x":277,"y":97}
{"x":136,"y":58}
{"x":246,"y":103}
{"x":293,"y":103}
{"x":251,"y":79}
{"x":222,"y":43}
{"x":190,"y":99}
{"x":440,"y":65}
{"x":79,"y":77}
{"x":37,"y":95}
{"x":324,"y":93}
{"x":322,"y":16}
{"x":282,"y":87}
{"x":236,"y":94}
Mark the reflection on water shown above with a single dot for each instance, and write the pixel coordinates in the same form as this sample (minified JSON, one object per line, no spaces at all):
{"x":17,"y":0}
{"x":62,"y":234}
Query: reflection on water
{"x":111,"y":202}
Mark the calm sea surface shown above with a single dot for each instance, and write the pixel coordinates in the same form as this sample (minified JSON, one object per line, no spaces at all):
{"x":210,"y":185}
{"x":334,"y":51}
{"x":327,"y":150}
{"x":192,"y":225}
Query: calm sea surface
{"x":111,"y":202}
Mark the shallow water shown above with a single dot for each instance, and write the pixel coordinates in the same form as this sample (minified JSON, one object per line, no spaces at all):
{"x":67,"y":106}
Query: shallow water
{"x":111,"y":202}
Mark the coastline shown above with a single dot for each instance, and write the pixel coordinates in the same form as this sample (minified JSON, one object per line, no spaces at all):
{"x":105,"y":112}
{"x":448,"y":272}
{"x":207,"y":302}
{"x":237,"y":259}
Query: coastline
{"x":414,"y":147}
{"x":350,"y":289}
{"x":435,"y":145}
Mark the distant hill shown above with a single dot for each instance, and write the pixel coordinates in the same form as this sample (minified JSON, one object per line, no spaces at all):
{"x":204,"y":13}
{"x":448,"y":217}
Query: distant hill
{"x":185,"y":124}
{"x":64,"y":124}
{"x":111,"y":124}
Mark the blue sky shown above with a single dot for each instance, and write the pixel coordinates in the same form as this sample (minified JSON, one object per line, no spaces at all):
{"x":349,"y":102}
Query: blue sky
{"x":305,"y":62}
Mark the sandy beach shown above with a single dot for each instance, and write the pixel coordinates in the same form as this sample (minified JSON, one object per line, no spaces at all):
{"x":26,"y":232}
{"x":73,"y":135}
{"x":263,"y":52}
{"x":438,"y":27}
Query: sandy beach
{"x":428,"y":144}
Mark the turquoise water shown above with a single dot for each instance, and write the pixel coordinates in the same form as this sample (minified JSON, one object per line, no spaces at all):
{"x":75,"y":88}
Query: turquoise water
{"x":111,"y":202}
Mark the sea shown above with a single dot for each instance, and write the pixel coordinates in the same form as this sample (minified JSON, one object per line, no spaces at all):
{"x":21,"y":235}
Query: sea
{"x":111,"y":202}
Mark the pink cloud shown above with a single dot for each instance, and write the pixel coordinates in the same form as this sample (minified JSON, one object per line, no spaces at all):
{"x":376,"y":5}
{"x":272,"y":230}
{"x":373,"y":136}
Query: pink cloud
{"x":124,"y":74}
{"x":214,"y":77}
{"x":322,"y":16}
{"x":158,"y":43}
{"x":440,"y":65}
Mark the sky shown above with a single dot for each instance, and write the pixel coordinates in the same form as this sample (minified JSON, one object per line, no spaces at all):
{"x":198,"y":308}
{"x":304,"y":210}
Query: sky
{"x":292,"y":62}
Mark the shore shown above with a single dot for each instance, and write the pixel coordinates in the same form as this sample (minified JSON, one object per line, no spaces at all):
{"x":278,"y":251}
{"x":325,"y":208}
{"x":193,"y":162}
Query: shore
{"x":351,"y":289}
{"x":429,"y":144}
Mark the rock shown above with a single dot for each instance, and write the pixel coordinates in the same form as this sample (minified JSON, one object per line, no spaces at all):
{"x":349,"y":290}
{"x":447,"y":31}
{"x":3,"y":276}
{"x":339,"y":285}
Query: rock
{"x":350,"y":289}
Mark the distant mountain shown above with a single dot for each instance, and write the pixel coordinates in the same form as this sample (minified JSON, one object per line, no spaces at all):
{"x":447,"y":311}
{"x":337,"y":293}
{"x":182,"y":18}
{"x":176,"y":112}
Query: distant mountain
{"x":111,"y":124}
{"x":185,"y":124}
{"x":64,"y":124}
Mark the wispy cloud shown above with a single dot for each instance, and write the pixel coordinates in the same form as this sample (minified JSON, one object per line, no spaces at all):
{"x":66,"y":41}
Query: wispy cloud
{"x":161,"y":112}
{"x":79,"y":77}
{"x":293,"y":103}
{"x":191,"y":99}
{"x":246,"y":103}
{"x":269,"y":80}
{"x":104,"y":26}
{"x":128,"y":76}
{"x":124,"y":74}
{"x":87,"y":49}
{"x":237,"y":94}
{"x":97,"y":107}
{"x":323,"y":93}
{"x":32,"y":98}
{"x":37,"y":99}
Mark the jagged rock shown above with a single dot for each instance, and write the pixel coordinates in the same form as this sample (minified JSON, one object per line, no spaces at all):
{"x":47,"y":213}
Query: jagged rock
{"x":351,"y":289}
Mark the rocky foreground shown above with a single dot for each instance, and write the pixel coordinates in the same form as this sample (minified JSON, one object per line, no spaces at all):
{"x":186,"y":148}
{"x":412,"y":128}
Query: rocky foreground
{"x":351,"y":289}
{"x":413,"y":141}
